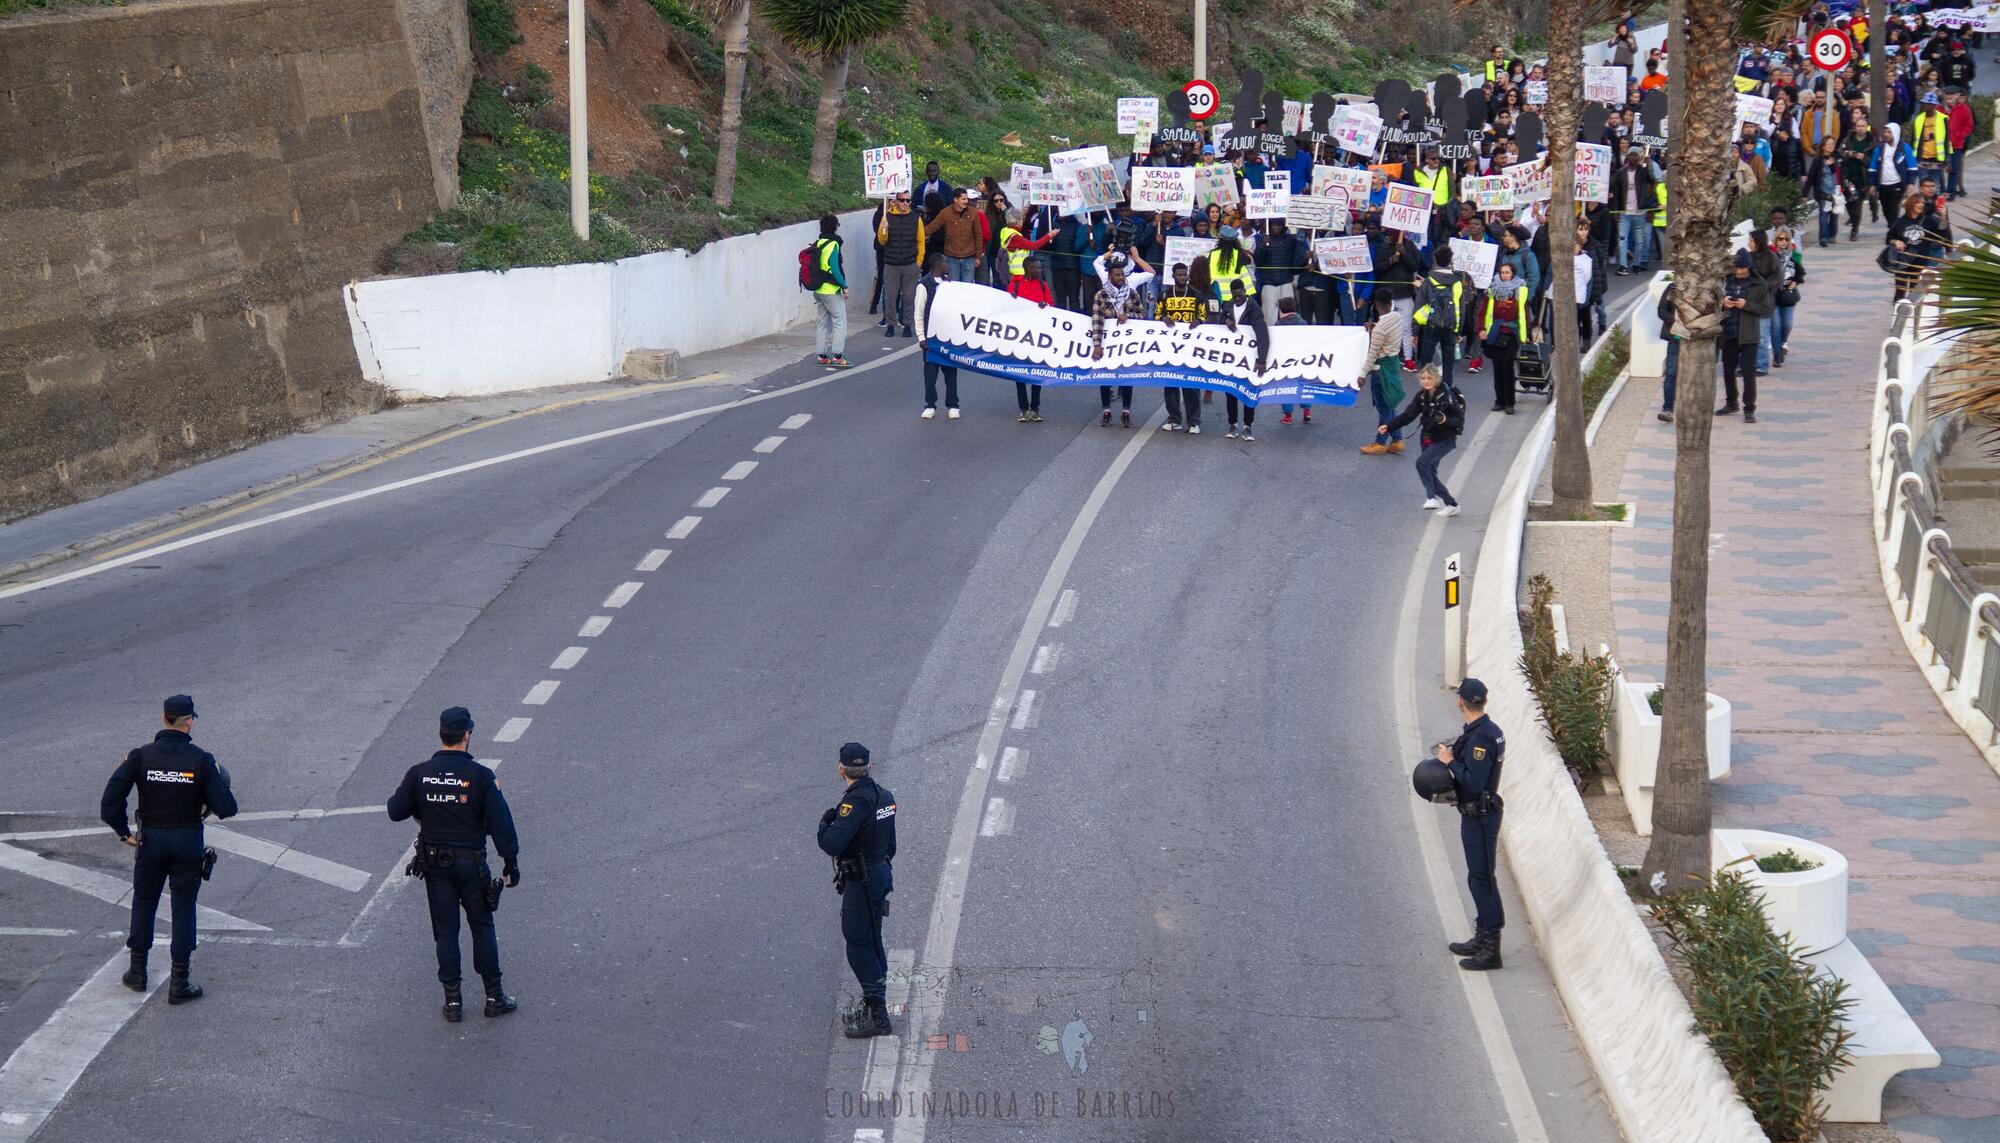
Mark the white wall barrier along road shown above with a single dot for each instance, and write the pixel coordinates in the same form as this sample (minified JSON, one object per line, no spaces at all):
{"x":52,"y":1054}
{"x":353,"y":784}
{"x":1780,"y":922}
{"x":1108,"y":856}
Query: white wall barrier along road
{"x":456,"y":335}
{"x":1663,"y":1082}
{"x":1951,"y":624}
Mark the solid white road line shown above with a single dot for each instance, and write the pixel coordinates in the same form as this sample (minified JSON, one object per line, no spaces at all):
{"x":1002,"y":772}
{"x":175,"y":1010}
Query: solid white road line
{"x":570,"y":657}
{"x":110,"y":890}
{"x":948,"y":906}
{"x":1012,"y":761}
{"x":1446,"y":893}
{"x":1065,"y":609}
{"x":7,"y":931}
{"x":199,"y":538}
{"x":740,"y":470}
{"x":1024,"y":710}
{"x":683,"y":527}
{"x":654,"y":559}
{"x":48,"y":1063}
{"x":286,"y":858}
{"x":541,"y":693}
{"x":768,"y":445}
{"x":712,"y":497}
{"x":796,"y":421}
{"x":622,"y":594}
{"x":251,"y":816}
{"x":593,"y":627}
{"x":513,"y":731}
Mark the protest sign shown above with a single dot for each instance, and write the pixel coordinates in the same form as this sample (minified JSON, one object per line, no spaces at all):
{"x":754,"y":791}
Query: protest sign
{"x":1264,"y":204}
{"x":1097,"y":185}
{"x":1060,"y":162}
{"x":1316,"y":212}
{"x":1133,"y":109}
{"x":1295,"y":115}
{"x":1185,"y":251}
{"x":1144,"y":130}
{"x":986,"y":331}
{"x":1343,"y":255}
{"x":1532,"y":182}
{"x":1059,"y":191}
{"x":1475,"y":259}
{"x":1593,"y":172}
{"x":1353,"y":180}
{"x":1604,"y":85}
{"x":1280,"y":181}
{"x":885,"y":171}
{"x":1215,"y":183}
{"x":1163,"y":188}
{"x":1538,"y":92}
{"x":1753,"y":109}
{"x":1492,"y":193}
{"x":1356,"y":131}
{"x":1408,"y":209}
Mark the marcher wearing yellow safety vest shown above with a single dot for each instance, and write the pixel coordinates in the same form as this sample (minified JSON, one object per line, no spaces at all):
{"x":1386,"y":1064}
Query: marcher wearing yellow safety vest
{"x":1930,"y":138}
{"x":1660,"y":222}
{"x":830,"y":294}
{"x":1433,"y":177}
{"x":1496,"y":67}
{"x":1227,"y":263}
{"x":1017,"y":246}
{"x":1507,"y":316}
{"x":1440,"y":310}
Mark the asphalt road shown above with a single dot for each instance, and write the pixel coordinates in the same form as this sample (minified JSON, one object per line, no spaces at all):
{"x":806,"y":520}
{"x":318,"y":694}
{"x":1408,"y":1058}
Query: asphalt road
{"x":1201,"y":870}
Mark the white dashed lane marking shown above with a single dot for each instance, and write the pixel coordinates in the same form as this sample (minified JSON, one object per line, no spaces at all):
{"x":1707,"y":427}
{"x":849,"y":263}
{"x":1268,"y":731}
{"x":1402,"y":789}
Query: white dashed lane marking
{"x":513,"y":731}
{"x":999,"y":819}
{"x":768,"y":445}
{"x":593,"y":627}
{"x":740,"y":470}
{"x":623,"y":593}
{"x":1012,"y":761}
{"x":541,"y":693}
{"x":796,"y":421}
{"x":570,"y":657}
{"x":1046,"y":656}
{"x":1024,"y":711}
{"x":1065,"y":608}
{"x":654,"y":559}
{"x":712,"y":497}
{"x":683,"y":527}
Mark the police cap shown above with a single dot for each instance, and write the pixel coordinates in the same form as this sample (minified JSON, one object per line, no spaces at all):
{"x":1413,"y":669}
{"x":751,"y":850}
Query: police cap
{"x":178,"y":707}
{"x":1472,"y":691}
{"x":854,"y":754}
{"x":456,"y":721}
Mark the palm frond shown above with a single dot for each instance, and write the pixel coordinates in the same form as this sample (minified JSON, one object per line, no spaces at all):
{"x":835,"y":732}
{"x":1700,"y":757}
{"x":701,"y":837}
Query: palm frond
{"x":1773,"y":21}
{"x":830,"y":27}
{"x":1968,"y":286}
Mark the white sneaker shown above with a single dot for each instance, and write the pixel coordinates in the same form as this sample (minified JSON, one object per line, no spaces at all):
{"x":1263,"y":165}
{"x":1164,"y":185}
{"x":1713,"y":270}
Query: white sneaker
{"x":1433,"y":502}
{"x":951,"y":413}
{"x":1448,"y":510}
{"x":1194,"y":430}
{"x":1231,"y":434}
{"x":1170,"y":427}
{"x":1247,"y":434}
{"x":929,"y":413}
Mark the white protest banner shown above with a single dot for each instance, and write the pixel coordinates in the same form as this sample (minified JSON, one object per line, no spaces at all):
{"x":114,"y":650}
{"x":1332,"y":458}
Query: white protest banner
{"x":1356,"y":131}
{"x":1316,"y":212}
{"x":1058,"y":191}
{"x":1408,"y":209}
{"x":986,"y":331}
{"x":1593,"y":172}
{"x":1475,"y":259}
{"x":1353,"y":180}
{"x":1345,"y":255}
{"x":1753,"y":109}
{"x":1215,"y":183}
{"x":1538,"y":92}
{"x":1604,"y":85}
{"x":1532,"y":182}
{"x":1185,"y":250}
{"x":1264,"y":204}
{"x":1163,"y":188}
{"x":1060,"y":162}
{"x":1097,"y":185}
{"x":1494,"y":192}
{"x":1132,"y":108}
{"x":885,"y":171}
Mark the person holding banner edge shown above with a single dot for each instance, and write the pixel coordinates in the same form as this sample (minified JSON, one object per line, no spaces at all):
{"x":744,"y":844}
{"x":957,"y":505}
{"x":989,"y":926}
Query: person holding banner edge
{"x":1122,"y":297}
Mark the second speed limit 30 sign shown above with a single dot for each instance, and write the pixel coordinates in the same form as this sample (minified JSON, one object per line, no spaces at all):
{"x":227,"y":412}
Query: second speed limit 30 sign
{"x":1201,"y":97}
{"x":1831,"y":49}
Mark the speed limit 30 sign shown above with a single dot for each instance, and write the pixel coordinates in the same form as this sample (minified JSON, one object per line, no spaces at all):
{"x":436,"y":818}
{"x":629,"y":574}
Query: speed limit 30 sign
{"x":1831,"y":49}
{"x":1201,"y":98}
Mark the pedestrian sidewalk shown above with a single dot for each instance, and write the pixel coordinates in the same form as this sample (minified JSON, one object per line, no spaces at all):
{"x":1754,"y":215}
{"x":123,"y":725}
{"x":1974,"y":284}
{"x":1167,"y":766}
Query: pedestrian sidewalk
{"x":1837,"y":736}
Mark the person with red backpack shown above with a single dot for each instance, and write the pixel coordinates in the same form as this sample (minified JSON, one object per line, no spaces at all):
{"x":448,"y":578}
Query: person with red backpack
{"x":1029,"y":286}
{"x":821,"y":271}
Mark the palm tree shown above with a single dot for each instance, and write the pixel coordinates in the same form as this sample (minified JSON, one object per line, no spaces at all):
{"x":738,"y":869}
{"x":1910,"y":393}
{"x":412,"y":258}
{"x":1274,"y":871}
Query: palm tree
{"x":830,"y":28}
{"x":1569,"y":464}
{"x":735,"y":18}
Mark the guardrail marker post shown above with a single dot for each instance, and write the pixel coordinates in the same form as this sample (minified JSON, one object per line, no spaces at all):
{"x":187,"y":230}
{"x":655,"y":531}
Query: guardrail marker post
{"x":1454,"y":659}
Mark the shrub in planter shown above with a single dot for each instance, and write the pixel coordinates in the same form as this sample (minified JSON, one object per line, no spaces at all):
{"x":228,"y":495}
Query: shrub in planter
{"x":1573,"y":689}
{"x":1774,"y":1023}
{"x":1785,"y":861}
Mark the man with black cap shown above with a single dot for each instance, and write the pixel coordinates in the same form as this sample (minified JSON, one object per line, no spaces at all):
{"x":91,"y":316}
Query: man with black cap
{"x":179,"y":783}
{"x":860,"y":835}
{"x":457,"y":804}
{"x":1474,"y":762}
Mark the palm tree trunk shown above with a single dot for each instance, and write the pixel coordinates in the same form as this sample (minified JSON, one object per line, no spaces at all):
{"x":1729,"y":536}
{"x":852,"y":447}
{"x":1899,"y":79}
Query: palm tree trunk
{"x":1702,"y":161}
{"x":1570,"y":472}
{"x":735,"y":65}
{"x":832,"y":88}
{"x":1676,"y":47}
{"x":1878,"y":64}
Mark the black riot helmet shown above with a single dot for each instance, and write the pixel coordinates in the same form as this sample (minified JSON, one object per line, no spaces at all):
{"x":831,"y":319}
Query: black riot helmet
{"x":1432,"y":781}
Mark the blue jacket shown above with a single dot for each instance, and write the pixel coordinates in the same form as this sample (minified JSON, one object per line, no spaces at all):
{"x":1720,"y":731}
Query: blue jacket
{"x":1906,"y":165}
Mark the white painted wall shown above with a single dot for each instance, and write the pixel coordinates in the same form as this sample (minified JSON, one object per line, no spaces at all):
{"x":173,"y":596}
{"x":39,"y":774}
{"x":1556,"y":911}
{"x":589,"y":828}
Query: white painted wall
{"x":456,"y":335}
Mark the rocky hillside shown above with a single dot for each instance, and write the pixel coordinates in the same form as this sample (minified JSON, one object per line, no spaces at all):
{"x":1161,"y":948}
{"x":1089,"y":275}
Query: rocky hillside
{"x":959,"y":77}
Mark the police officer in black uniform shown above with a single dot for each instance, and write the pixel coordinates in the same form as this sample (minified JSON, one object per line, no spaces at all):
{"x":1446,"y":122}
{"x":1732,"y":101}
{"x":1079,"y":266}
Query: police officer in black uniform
{"x":178,"y":783}
{"x":860,"y":835}
{"x":457,"y":804}
{"x":1474,"y":761}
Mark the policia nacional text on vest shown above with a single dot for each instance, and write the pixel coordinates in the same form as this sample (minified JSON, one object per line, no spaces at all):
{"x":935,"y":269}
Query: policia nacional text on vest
{"x":458,"y":805}
{"x":179,"y":783}
{"x":859,"y":833}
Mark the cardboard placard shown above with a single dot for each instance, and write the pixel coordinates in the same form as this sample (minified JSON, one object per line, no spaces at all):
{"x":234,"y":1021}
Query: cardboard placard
{"x":1491,"y":193}
{"x":1356,"y":131}
{"x":1604,"y":85}
{"x":1345,"y":255}
{"x":1280,"y":181}
{"x":1753,"y":109}
{"x":1475,"y":259}
{"x":1058,"y":191}
{"x":1295,"y":117}
{"x":1264,"y":204}
{"x":1537,"y":94}
{"x":1097,"y":185}
{"x":1215,"y":183}
{"x":1060,"y":162}
{"x":1163,"y":188}
{"x":1353,"y":180}
{"x":1408,"y":209}
{"x":1185,"y":251}
{"x":1316,"y":212}
{"x":1533,"y":182}
{"x":1132,"y":110}
{"x":1593,"y":172}
{"x":885,"y":171}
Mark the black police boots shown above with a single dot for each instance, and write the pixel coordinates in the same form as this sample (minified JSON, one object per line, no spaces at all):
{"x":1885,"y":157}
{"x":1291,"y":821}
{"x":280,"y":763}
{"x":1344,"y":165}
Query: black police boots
{"x":1469,"y":945}
{"x":871,"y":1019}
{"x":135,"y":977}
{"x":180,"y":989}
{"x":454,"y":1004}
{"x":498,"y":1003}
{"x":1486,"y":956}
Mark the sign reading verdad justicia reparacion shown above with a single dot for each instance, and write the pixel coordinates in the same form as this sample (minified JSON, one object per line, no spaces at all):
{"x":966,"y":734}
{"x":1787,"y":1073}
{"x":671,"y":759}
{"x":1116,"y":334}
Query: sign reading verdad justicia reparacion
{"x":987,"y":331}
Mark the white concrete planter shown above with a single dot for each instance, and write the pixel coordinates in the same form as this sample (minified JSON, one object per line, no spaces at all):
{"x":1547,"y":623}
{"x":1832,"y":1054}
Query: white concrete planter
{"x":1810,"y":905}
{"x":1636,"y":753}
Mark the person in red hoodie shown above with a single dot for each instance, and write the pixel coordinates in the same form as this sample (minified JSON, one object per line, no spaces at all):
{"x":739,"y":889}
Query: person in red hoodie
{"x":1958,"y":129}
{"x":1029,"y":286}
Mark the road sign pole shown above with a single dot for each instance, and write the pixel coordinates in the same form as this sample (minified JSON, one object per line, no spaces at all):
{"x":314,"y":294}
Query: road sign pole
{"x":1201,"y":39}
{"x":1454,"y":656}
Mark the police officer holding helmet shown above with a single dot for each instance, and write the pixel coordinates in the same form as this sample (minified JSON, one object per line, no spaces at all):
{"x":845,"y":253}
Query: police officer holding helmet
{"x":179,"y":783}
{"x":1467,"y":772}
{"x":457,"y":804}
{"x":860,"y":835}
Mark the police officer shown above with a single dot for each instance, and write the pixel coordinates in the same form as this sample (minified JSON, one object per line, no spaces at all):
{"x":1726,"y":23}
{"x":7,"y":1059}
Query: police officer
{"x":1474,"y":761}
{"x":457,"y":804}
{"x":178,"y":783}
{"x":860,"y":835}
